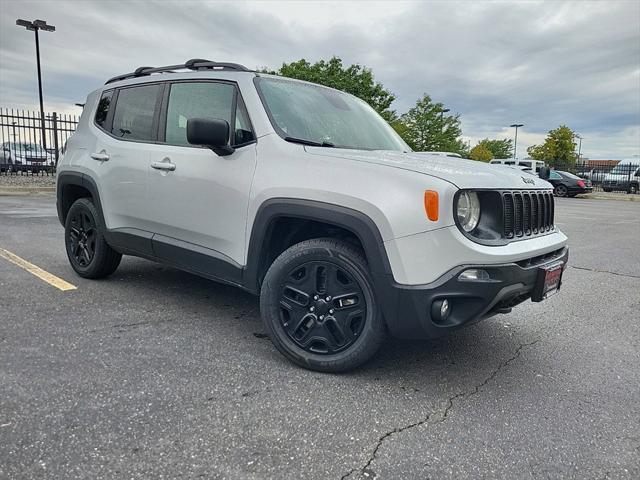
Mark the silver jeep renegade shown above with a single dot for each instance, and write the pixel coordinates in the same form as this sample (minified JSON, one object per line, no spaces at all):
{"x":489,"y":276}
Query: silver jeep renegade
{"x":305,"y":196}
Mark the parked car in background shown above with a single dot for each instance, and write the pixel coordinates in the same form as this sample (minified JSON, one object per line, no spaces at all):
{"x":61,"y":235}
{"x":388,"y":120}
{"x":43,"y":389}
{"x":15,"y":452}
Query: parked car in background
{"x":625,"y":177}
{"x":25,"y":154}
{"x":567,"y":184}
{"x":533,"y":165}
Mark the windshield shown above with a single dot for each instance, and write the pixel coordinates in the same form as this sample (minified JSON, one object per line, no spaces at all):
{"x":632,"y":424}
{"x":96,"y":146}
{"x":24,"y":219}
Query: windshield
{"x":319,"y":115}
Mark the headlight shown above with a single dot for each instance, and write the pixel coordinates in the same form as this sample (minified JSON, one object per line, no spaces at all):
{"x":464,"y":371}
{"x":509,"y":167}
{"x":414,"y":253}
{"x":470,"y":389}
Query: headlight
{"x":468,"y":210}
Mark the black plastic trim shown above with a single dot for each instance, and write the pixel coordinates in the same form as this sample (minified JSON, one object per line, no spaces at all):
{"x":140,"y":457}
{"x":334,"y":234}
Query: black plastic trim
{"x":470,"y":301}
{"x":352,"y":220}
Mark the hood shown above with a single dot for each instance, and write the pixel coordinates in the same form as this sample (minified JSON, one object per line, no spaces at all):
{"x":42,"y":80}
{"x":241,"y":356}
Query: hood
{"x":458,"y":171}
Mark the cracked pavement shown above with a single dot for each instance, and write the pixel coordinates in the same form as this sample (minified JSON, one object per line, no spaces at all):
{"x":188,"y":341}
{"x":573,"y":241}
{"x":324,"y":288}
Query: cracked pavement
{"x":157,"y":373}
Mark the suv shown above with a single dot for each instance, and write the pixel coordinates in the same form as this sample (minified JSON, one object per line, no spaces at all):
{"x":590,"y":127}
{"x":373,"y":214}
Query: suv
{"x":305,"y":196}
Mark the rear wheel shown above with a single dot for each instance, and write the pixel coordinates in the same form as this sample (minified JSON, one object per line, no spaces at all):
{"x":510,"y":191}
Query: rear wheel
{"x":561,"y":191}
{"x":633,"y":189}
{"x":318,"y":306}
{"x":88,"y":252}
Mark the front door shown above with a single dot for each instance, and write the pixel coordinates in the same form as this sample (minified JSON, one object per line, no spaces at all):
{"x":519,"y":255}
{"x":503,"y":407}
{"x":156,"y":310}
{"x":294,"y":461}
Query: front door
{"x":198,"y":199}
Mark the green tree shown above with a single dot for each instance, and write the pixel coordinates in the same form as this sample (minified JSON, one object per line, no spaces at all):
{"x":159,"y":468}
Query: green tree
{"x":481,"y":153}
{"x":425,"y":128}
{"x":498,"y":148}
{"x":354,"y":79}
{"x":558,"y":148}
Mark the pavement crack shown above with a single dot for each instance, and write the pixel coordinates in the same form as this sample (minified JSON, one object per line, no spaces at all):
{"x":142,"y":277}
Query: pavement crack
{"x":366,"y":471}
{"x":605,"y":271}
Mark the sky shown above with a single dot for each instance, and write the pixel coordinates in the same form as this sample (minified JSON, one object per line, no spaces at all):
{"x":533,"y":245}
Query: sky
{"x":538,"y":63}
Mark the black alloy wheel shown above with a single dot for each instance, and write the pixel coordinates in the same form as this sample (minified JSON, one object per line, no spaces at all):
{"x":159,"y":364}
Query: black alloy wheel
{"x":322,"y":307}
{"x":82,"y":237}
{"x":89,"y":253}
{"x":319,"y":308}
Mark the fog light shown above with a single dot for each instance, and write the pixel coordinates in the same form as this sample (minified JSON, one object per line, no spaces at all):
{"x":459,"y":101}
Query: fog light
{"x":474,"y":275}
{"x":440,"y":310}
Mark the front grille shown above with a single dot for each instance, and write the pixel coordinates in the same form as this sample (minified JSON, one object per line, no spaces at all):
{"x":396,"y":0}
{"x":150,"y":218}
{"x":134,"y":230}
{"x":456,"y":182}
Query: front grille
{"x":527,"y":213}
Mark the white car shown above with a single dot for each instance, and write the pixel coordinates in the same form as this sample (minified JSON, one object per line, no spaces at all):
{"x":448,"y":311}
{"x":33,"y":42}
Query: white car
{"x":305,"y":196}
{"x":25,"y":154}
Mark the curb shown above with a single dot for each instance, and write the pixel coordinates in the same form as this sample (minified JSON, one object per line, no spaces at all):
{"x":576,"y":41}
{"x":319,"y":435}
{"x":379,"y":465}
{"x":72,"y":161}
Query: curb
{"x":623,"y":197}
{"x":26,"y":190}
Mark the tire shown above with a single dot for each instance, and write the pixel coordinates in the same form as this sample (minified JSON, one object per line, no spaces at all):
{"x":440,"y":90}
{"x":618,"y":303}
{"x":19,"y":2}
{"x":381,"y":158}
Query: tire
{"x":561,"y":191}
{"x":349,"y":334}
{"x":88,"y":252}
{"x":633,"y":189}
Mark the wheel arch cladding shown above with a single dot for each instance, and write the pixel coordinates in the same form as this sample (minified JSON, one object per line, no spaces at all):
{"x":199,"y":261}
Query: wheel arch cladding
{"x":271,"y":211}
{"x":70,"y":187}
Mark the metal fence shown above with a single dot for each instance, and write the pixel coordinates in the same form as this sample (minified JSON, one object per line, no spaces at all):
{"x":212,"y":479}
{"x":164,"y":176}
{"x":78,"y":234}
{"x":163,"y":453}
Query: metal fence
{"x":23,"y":150}
{"x":607,"y":175}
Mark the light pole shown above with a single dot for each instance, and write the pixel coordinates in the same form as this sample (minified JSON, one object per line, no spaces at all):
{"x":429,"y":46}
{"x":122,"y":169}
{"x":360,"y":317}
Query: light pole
{"x":35,"y":26}
{"x":579,"y":137}
{"x":515,"y":142}
{"x":442,"y":112}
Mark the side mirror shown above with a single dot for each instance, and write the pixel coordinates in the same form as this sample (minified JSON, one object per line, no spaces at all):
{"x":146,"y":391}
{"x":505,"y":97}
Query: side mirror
{"x":544,"y":173}
{"x":210,"y":132}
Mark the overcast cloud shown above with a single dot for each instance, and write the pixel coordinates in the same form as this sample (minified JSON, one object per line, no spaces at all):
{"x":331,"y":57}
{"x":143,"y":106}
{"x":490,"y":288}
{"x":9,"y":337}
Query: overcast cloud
{"x":496,"y":63}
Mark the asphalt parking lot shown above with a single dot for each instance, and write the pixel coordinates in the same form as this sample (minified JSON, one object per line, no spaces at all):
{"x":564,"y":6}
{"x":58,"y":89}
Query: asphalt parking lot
{"x":155,"y":373}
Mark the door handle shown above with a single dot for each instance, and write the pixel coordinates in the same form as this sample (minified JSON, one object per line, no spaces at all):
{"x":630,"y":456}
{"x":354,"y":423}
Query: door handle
{"x":167,"y":166}
{"x":101,"y":157}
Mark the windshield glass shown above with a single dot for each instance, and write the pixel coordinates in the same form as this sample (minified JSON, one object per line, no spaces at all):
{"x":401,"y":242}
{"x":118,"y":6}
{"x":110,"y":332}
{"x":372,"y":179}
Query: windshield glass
{"x":317,"y":114}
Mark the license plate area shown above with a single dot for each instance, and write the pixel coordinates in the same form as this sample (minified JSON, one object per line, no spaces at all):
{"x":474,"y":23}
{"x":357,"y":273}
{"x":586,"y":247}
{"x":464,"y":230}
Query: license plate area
{"x":548,"y":282}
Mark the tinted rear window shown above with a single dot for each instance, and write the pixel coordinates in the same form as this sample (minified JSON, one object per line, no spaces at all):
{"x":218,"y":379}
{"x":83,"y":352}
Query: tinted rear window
{"x":134,"y":112}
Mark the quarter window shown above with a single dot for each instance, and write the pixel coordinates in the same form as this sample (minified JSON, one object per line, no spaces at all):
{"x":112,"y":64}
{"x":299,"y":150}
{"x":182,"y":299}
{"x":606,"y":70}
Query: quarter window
{"x":103,"y":108}
{"x":134,"y":112}
{"x":197,"y":100}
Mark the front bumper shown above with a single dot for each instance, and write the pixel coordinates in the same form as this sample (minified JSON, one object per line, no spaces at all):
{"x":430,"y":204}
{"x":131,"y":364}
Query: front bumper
{"x":407,"y":309}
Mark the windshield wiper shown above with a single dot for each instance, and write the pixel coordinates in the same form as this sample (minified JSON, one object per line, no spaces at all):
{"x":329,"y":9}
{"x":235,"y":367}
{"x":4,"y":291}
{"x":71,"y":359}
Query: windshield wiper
{"x":311,"y":143}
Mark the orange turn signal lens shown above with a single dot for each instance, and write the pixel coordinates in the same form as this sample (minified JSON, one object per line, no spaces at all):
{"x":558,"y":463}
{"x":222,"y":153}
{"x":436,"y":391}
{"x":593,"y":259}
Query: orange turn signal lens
{"x":431,"y":204}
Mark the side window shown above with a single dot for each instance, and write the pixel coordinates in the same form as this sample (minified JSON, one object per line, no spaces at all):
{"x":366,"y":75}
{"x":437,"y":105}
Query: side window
{"x":196,"y":100}
{"x":555,"y":176}
{"x":243,"y":133}
{"x":103,"y":108}
{"x":134,"y":112}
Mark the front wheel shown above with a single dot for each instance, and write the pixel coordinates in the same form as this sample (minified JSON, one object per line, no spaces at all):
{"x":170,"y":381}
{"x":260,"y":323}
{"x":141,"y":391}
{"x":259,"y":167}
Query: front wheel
{"x":633,"y":189}
{"x":88,"y":252}
{"x":319,"y":308}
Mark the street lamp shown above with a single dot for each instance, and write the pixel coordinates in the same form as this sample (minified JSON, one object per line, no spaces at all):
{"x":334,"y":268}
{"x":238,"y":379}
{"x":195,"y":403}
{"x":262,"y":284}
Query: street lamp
{"x":577,"y":135}
{"x":35,"y":26}
{"x":515,"y":142}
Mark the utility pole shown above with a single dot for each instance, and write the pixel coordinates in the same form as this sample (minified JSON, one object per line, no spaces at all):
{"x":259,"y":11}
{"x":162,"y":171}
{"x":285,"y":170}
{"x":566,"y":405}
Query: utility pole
{"x":515,"y":142}
{"x":579,"y":137}
{"x":35,"y":26}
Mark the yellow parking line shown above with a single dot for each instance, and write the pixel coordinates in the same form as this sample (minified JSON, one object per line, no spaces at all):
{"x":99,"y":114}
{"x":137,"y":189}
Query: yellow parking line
{"x":37,"y":271}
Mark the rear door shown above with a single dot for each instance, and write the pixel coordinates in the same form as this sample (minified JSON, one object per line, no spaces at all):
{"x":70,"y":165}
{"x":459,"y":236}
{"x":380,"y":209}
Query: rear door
{"x":127,"y":119}
{"x":200,"y":200}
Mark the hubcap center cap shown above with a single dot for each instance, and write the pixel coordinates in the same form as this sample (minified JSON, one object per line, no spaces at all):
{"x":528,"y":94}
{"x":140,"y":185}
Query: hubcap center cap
{"x":321,"y":307}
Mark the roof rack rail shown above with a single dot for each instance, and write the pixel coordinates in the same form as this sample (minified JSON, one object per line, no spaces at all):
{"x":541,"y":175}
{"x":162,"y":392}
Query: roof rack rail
{"x":193,"y":64}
